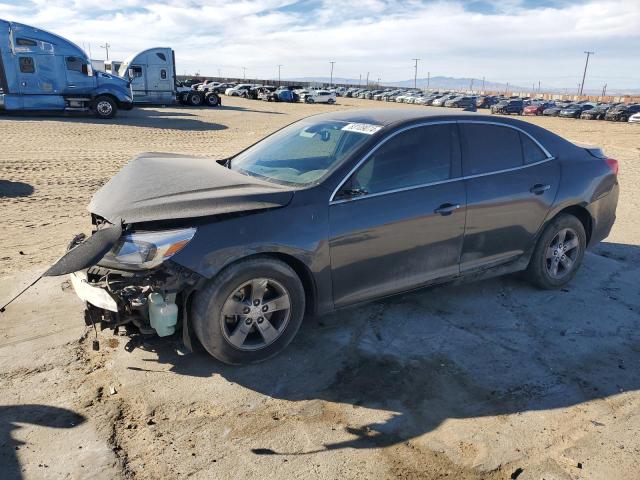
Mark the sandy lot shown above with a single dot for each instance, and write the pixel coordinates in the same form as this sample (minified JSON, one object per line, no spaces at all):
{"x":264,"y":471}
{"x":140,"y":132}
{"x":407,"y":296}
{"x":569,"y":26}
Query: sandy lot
{"x":492,"y":380}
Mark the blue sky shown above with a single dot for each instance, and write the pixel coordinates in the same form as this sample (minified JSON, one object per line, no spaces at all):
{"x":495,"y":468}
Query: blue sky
{"x":516,"y":41}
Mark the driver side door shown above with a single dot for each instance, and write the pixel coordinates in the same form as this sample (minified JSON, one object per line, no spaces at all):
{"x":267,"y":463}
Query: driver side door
{"x":398,"y":221}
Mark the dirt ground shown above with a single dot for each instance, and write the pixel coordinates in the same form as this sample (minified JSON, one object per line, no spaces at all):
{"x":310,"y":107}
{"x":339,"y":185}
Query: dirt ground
{"x":494,"y":380}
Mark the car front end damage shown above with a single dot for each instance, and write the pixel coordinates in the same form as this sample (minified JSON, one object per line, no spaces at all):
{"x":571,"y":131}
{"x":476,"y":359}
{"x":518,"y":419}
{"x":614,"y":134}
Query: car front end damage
{"x":135,"y":284}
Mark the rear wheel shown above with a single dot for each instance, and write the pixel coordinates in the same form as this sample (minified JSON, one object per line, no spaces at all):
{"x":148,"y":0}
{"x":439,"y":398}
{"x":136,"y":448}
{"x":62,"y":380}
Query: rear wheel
{"x":105,"y":107}
{"x":251,"y":311}
{"x":212,"y":99}
{"x":195,"y":99}
{"x":331,"y":101}
{"x":558,"y":253}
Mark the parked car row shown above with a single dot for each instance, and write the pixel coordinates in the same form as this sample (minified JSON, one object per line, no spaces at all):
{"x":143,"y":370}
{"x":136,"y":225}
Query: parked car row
{"x":499,"y":104}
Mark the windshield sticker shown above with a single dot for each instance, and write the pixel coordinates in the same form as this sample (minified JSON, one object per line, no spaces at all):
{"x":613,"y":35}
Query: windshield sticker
{"x":365,"y":128}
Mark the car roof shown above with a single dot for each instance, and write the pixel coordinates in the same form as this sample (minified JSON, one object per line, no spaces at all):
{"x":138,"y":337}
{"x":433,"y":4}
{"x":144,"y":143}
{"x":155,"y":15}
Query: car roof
{"x":394,"y":116}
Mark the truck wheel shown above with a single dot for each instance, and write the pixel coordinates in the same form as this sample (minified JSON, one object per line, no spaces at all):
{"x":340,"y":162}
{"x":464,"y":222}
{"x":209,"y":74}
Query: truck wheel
{"x":104,"y":107}
{"x":195,"y":99}
{"x":250,"y":311}
{"x":212,"y":99}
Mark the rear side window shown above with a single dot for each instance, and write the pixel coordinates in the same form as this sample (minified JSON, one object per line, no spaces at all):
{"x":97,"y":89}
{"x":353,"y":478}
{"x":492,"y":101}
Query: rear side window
{"x":74,"y":63}
{"x":415,"y":157}
{"x":531,"y":152}
{"x":27,"y":65}
{"x":490,"y":148}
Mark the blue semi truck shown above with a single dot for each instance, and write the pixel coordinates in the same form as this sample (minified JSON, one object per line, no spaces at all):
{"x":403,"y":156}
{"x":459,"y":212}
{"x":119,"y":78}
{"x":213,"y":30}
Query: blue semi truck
{"x":43,"y":71}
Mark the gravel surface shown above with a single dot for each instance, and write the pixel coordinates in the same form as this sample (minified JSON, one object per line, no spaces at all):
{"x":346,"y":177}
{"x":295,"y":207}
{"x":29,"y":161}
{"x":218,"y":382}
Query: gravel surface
{"x":493,"y":380}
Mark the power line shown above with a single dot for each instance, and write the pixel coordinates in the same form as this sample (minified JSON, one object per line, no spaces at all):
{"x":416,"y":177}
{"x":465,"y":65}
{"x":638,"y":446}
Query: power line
{"x":106,"y":47}
{"x":415,"y":73}
{"x":584,"y":74}
{"x":332,"y":62}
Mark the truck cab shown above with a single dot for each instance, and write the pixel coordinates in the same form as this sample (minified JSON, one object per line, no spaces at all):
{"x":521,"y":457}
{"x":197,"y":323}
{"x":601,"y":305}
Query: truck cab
{"x":43,"y":71}
{"x":152,"y":75}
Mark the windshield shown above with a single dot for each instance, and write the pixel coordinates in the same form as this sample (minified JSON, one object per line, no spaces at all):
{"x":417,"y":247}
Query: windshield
{"x":304,"y":152}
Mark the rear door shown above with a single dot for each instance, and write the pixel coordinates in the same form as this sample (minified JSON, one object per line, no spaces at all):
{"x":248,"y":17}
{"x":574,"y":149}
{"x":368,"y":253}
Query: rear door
{"x":159,"y":83}
{"x":398,"y":221}
{"x":511,"y":184}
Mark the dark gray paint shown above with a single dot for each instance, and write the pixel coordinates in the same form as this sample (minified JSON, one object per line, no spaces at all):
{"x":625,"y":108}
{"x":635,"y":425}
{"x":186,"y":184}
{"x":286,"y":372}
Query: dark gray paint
{"x":363,"y":248}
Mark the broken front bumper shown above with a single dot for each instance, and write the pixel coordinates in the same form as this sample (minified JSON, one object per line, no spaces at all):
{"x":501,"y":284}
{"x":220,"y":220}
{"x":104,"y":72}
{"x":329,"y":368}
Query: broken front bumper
{"x":96,"y":296}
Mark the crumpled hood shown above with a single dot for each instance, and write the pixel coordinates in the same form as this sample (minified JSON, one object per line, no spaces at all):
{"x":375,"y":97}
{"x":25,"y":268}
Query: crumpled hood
{"x":167,"y":186}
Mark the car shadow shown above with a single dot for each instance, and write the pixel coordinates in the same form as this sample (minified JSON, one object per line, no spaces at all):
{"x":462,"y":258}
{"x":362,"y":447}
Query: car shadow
{"x":11,"y":416}
{"x":9,"y":189}
{"x":489,"y":348}
{"x":138,"y":117}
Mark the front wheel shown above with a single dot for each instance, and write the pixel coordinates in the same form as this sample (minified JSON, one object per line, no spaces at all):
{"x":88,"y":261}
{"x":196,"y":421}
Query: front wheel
{"x":105,"y":107}
{"x":331,"y":101}
{"x":250,"y":312}
{"x":558,"y":253}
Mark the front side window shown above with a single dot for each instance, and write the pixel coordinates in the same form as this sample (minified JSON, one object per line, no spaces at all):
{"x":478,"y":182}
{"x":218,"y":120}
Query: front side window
{"x":417,"y":156}
{"x":135,"y":71}
{"x":27,"y":64}
{"x":74,"y":63}
{"x":303,"y":152}
{"x":490,"y":148}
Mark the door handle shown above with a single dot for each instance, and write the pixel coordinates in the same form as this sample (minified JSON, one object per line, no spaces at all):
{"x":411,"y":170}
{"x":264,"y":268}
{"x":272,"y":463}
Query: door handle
{"x":447,"y":209}
{"x":539,"y":188}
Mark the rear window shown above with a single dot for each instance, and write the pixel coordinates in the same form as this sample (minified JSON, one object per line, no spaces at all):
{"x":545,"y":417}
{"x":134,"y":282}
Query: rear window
{"x":490,"y":148}
{"x":531,"y":152}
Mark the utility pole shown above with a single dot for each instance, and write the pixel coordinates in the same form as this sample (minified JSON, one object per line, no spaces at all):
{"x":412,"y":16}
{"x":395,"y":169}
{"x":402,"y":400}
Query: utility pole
{"x":378,"y":82}
{"x":244,"y":73}
{"x":415,"y":73}
{"x":538,"y":87}
{"x":332,"y":62}
{"x":105,"y":46}
{"x":428,"y":79}
{"x":506,"y":89}
{"x":471,"y":86}
{"x":360,"y":81}
{"x":279,"y":67}
{"x":586,"y":63}
{"x":483,"y":84}
{"x":604,"y":89}
{"x":367,"y":84}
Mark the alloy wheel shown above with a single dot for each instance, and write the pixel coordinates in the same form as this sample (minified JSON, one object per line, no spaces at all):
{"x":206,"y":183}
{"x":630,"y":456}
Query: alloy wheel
{"x":104,"y":108}
{"x":562,"y":253}
{"x":256,"y":314}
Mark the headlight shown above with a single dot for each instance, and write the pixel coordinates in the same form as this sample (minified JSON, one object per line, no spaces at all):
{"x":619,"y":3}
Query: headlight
{"x":147,"y":249}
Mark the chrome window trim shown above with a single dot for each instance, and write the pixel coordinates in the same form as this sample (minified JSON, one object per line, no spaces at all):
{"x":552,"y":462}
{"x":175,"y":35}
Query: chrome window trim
{"x":413,"y":187}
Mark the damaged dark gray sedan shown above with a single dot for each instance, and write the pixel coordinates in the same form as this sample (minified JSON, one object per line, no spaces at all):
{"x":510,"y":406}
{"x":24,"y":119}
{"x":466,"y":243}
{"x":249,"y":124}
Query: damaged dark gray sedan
{"x":331,"y":211}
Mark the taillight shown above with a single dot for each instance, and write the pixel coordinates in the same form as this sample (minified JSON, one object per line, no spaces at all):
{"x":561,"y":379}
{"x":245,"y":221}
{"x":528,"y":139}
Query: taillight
{"x":613,"y":165}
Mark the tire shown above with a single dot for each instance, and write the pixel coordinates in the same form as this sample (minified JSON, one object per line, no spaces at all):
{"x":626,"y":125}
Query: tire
{"x":104,"y":107}
{"x":540,"y":269}
{"x":331,"y":101}
{"x":212,"y":100}
{"x":195,"y":99}
{"x":225,"y":337}
{"x":309,"y":100}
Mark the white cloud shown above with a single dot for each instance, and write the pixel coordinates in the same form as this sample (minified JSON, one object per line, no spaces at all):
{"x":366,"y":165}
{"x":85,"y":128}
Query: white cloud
{"x":513,"y":43}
